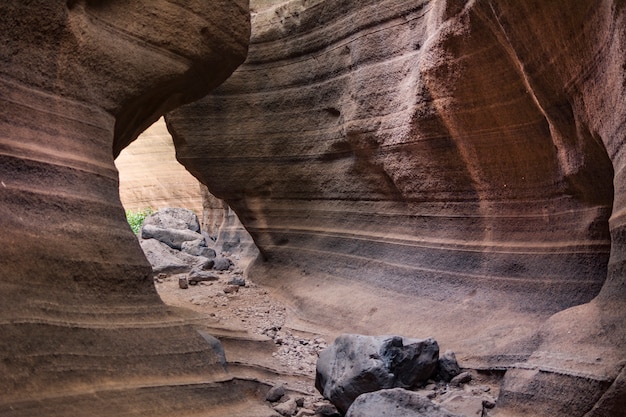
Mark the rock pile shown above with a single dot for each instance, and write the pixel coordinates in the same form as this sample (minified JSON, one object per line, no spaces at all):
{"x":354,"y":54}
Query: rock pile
{"x":356,"y":364}
{"x":299,"y":406}
{"x":298,"y":353}
{"x":373,"y":375}
{"x":172,"y":242}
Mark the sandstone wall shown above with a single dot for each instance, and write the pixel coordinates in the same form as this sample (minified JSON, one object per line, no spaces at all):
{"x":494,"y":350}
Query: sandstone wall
{"x":151,"y":177}
{"x":443,"y":168}
{"x":83,"y":330}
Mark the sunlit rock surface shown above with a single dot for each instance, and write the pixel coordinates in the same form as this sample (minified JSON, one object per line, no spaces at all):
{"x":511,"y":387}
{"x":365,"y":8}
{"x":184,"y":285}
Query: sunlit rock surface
{"x":438,"y":168}
{"x":83,"y":331}
{"x":151,"y":177}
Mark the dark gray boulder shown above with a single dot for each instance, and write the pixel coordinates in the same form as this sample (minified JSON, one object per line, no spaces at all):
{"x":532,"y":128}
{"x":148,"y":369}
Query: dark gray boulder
{"x":197,"y":248}
{"x":357,"y":364}
{"x":164,"y":259}
{"x":222,"y":264}
{"x":396,"y":402}
{"x":173,"y":238}
{"x":448,"y":366}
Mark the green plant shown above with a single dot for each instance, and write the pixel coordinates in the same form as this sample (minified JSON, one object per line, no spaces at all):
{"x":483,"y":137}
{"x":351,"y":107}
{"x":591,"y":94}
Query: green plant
{"x":135,"y":218}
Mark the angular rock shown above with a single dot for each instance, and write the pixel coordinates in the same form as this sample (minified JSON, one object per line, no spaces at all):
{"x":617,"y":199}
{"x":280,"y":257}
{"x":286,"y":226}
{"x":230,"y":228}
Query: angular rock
{"x":173,"y":238}
{"x":222,"y":264}
{"x":327,"y":410}
{"x":237,"y":281}
{"x":197,"y":248}
{"x":287,"y":408}
{"x":356,"y":364}
{"x":448,"y":367}
{"x":197,"y":275}
{"x":396,"y":402}
{"x":183,"y":283}
{"x":174,"y":218}
{"x":165,"y":259}
{"x":462,"y":378}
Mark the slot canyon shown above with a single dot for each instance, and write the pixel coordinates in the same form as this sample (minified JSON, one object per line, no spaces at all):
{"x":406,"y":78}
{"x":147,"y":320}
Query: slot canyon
{"x":451,"y":169}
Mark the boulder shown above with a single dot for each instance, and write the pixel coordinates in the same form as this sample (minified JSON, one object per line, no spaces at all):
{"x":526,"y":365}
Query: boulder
{"x":222,"y":264}
{"x":197,"y":248}
{"x":448,"y":367}
{"x":173,"y":238}
{"x":198,"y":275}
{"x":167,"y":260}
{"x":174,"y":218}
{"x":396,"y":402}
{"x":357,"y":364}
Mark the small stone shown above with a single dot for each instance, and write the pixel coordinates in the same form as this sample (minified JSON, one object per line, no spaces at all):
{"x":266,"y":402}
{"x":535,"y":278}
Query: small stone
{"x":183,"y":283}
{"x":300,"y":401}
{"x":238,"y":281}
{"x":275,"y":393}
{"x":288,"y":408}
{"x":462,"y":378}
{"x":231,"y":289}
{"x":305,"y":412}
{"x":326,"y":409}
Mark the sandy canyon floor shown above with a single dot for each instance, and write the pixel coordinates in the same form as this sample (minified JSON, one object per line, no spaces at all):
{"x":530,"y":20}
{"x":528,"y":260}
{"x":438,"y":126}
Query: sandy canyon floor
{"x":253,"y":324}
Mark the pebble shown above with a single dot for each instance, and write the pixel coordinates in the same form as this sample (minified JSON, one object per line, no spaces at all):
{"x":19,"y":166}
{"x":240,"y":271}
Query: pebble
{"x":275,"y":393}
{"x":231,"y":289}
{"x":462,"y":378}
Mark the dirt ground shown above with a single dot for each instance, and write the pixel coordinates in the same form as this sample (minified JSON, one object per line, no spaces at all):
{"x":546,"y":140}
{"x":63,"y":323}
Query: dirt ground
{"x":250,"y":321}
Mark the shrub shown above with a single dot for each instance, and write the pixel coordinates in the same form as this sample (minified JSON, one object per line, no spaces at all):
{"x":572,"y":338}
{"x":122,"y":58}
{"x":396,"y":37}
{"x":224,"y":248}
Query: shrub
{"x":135,"y":218}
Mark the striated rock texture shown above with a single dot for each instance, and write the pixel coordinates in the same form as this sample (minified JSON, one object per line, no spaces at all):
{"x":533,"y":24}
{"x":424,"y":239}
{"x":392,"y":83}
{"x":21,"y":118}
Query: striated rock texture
{"x":83,"y":330}
{"x":151,"y":177}
{"x":444,"y":168}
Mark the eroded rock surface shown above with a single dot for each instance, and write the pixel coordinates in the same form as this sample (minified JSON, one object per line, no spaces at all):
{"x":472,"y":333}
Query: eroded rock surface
{"x":83,"y":330}
{"x":393,"y":159}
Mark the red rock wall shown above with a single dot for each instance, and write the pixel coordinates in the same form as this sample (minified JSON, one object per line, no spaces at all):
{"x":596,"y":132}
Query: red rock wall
{"x":440,"y":167}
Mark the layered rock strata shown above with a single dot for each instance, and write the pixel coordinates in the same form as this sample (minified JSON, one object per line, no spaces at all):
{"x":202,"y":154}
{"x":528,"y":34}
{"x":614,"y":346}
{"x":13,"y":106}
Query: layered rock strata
{"x":83,"y":329}
{"x":151,"y":177}
{"x":394,"y":159}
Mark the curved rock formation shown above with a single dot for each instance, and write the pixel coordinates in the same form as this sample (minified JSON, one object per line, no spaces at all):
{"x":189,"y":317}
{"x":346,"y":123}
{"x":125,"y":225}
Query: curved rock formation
{"x":83,"y":330}
{"x":455,"y":163}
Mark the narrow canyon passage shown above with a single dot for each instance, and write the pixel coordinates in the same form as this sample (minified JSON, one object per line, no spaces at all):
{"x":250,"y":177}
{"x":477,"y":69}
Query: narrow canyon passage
{"x":438,"y":168}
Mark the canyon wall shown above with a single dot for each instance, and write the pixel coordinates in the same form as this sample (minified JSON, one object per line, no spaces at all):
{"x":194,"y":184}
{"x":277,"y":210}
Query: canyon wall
{"x":438,"y":168}
{"x":151,"y":177}
{"x":83,"y":329}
